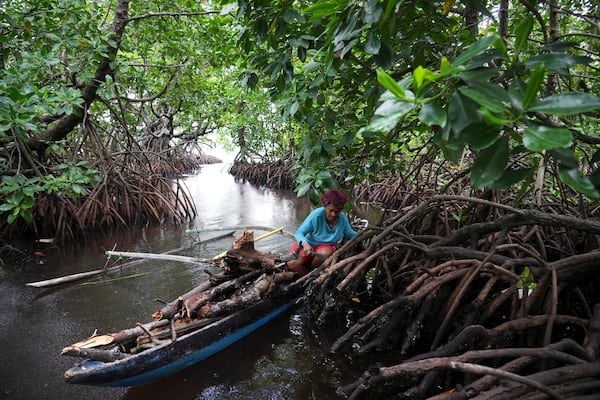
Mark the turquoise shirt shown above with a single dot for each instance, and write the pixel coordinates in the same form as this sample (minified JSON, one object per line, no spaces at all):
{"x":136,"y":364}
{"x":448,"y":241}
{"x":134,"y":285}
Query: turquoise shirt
{"x":316,"y":231}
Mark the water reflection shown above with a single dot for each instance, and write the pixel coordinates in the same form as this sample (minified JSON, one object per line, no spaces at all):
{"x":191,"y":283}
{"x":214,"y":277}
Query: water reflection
{"x":223,"y":202}
{"x":276,"y":362}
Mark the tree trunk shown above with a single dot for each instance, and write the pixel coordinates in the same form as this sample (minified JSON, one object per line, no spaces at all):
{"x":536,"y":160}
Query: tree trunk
{"x":61,"y":128}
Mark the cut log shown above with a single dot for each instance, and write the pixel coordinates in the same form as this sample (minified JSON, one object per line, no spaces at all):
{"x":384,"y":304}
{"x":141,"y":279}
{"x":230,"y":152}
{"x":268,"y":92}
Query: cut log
{"x":245,"y":241}
{"x":175,"y":306}
{"x":242,"y":256}
{"x":118,"y":337}
{"x":94,"y":354}
{"x":250,"y":295}
{"x":191,"y":304}
{"x":263,"y":236}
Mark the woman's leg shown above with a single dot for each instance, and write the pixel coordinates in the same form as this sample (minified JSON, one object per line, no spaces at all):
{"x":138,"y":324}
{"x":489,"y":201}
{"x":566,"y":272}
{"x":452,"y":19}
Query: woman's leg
{"x":300,"y":264}
{"x":321,"y":252}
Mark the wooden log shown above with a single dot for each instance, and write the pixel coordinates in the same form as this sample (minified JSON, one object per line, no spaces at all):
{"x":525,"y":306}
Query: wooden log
{"x":94,"y":354}
{"x":132,"y":333}
{"x":152,"y":256}
{"x":266,"y":235}
{"x":66,"y":279}
{"x":245,"y":241}
{"x":172,"y":308}
{"x":191,"y":304}
{"x":250,"y":295}
{"x":118,"y":337}
{"x":262,"y":286}
{"x":169,"y":310}
{"x":242,"y":256}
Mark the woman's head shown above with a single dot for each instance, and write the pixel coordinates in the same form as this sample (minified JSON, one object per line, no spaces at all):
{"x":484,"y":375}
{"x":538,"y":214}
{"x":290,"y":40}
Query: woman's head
{"x":336,"y":198}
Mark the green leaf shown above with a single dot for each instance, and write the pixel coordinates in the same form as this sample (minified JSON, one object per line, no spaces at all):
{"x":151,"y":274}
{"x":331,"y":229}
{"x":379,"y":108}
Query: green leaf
{"x":566,"y":104}
{"x":490,"y":164}
{"x":294,"y":108}
{"x":510,"y":177}
{"x":390,"y":84}
{"x":479,"y":135}
{"x":348,"y":138}
{"x":303,"y":189}
{"x":492,"y":119}
{"x":573,"y":178}
{"x":565,"y":156}
{"x":6,"y":207}
{"x":12,"y":217}
{"x":462,"y":111}
{"x":385,"y":57}
{"x":444,"y":65}
{"x":554,"y":61}
{"x":372,"y":12}
{"x":475,"y":49}
{"x":477,"y":76}
{"x":322,"y":9}
{"x":291,"y":16}
{"x":522,"y":33}
{"x":447,"y":141}
{"x":516,"y":91}
{"x":541,"y":137}
{"x":432,"y":114}
{"x":533,"y":85}
{"x":422,"y":76}
{"x":388,"y":114}
{"x":373,"y":44}
{"x":488,"y":95}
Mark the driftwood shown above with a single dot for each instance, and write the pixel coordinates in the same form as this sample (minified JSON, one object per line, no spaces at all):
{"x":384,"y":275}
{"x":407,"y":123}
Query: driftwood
{"x":66,"y":279}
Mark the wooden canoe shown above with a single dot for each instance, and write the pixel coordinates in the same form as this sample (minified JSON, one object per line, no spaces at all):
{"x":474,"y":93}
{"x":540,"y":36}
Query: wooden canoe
{"x":252,"y":290}
{"x":171,"y":356}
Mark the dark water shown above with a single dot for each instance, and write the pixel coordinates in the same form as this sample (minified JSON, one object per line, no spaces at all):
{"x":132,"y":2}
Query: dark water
{"x":285,"y":360}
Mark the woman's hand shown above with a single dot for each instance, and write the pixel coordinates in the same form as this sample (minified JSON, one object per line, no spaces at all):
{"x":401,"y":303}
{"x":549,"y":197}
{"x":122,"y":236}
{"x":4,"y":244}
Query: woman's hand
{"x":306,"y":249}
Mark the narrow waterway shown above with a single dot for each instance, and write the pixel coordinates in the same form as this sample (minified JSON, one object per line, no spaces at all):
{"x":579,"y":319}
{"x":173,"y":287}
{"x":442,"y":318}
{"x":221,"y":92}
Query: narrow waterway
{"x":285,"y":360}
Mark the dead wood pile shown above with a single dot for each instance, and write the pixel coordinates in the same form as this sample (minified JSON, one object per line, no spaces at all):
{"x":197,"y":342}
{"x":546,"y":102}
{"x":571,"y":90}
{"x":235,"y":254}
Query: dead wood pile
{"x":504,"y":308}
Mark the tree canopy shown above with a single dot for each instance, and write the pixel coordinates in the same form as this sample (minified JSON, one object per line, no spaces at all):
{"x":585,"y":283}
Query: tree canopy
{"x":506,"y":91}
{"x":510,"y":86}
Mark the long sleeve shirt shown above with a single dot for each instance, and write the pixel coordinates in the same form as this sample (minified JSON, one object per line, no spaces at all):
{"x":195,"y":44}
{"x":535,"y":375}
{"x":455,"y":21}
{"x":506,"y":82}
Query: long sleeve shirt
{"x":315,"y":229}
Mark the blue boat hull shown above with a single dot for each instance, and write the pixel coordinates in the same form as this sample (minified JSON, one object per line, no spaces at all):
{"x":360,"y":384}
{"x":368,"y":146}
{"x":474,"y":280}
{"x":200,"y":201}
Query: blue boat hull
{"x":189,"y":349}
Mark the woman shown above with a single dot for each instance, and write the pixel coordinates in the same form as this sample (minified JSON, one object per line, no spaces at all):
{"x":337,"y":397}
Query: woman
{"x":318,"y":236}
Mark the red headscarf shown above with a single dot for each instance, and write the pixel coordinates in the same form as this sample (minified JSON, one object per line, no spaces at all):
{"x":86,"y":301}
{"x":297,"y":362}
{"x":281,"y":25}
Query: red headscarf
{"x":335,"y":197}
